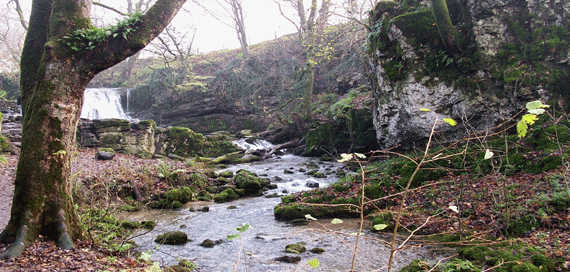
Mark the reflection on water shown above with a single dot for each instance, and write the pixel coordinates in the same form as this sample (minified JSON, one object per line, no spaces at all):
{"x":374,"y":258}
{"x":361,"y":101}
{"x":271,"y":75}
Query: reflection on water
{"x":266,"y":240}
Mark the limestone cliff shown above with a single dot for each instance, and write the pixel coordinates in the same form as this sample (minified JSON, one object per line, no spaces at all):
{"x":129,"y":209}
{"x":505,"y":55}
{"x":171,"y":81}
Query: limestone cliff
{"x":507,"y":52}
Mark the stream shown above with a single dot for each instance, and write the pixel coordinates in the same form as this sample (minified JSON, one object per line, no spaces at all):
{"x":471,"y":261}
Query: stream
{"x":257,"y":247}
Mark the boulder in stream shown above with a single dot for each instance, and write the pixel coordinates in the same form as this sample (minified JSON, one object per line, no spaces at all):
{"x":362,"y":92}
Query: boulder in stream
{"x":172,"y":238}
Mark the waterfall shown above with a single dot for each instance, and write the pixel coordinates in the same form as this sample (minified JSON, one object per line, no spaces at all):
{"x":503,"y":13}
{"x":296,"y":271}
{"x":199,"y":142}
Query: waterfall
{"x":102,"y":103}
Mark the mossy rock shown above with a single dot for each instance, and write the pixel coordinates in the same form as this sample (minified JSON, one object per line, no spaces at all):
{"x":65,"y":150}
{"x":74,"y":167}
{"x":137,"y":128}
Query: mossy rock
{"x":317,"y":250}
{"x":165,"y":204}
{"x":182,"y":195}
{"x":226,"y":196}
{"x":148,"y":224}
{"x":226,"y":174}
{"x":295,"y":248}
{"x":183,"y":142}
{"x":249,"y":182}
{"x":288,"y":212}
{"x":130,"y":224}
{"x":417,"y":265}
{"x":172,"y":238}
{"x":385,"y":218}
{"x":459,"y":265}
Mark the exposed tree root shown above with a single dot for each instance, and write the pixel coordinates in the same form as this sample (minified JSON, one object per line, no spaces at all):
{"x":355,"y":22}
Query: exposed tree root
{"x":25,"y":237}
{"x":22,"y":241}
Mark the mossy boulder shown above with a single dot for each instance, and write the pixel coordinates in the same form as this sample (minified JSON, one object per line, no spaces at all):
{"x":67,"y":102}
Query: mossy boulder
{"x":226,"y":196}
{"x":172,"y":238}
{"x":295,"y":248}
{"x":250,"y":182}
{"x":180,"y":141}
{"x":183,"y":195}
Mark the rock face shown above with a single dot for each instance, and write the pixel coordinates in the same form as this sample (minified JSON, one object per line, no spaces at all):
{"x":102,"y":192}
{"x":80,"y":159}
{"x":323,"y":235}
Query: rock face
{"x":505,"y":57}
{"x":146,"y":139}
{"x":120,"y":135}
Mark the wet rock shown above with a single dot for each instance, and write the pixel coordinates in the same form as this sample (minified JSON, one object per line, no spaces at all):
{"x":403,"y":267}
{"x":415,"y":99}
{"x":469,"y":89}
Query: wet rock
{"x":232,"y":207}
{"x":274,"y":195}
{"x":312,"y":184}
{"x":277,"y":178}
{"x":205,"y":209}
{"x":289,"y":259}
{"x":295,"y":248}
{"x":286,"y":171}
{"x":319,"y":175}
{"x":172,"y":238}
{"x":208,"y":243}
{"x":271,"y":186}
{"x":317,"y":250}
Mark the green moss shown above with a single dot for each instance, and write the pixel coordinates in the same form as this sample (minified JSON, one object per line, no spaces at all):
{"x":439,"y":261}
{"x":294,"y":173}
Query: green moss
{"x":417,"y":265}
{"x":172,"y":238}
{"x":225,"y":196}
{"x":458,"y":265}
{"x":4,"y":143}
{"x":249,"y":182}
{"x":183,"y":195}
{"x":295,"y":248}
{"x":184,"y":142}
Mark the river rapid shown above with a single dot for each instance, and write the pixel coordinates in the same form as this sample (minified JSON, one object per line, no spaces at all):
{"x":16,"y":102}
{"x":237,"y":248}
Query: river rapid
{"x":258,"y":247}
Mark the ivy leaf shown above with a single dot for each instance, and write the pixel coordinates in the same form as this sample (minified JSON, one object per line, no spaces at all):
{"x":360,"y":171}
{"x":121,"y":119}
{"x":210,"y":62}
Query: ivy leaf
{"x":309,"y":217}
{"x":336,"y":221}
{"x":533,"y":105}
{"x":424,"y":109}
{"x":380,"y":227}
{"x":488,"y":154}
{"x":233,"y":236}
{"x":450,"y":121}
{"x":314,"y":263}
{"x":529,"y":118}
{"x":522,"y":129}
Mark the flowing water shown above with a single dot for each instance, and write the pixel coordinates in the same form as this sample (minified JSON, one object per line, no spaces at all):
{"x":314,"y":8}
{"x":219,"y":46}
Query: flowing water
{"x":102,"y":103}
{"x":266,"y":240}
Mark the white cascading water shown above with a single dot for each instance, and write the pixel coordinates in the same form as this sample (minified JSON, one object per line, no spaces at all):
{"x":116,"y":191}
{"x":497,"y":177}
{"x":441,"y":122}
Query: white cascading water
{"x":102,"y":103}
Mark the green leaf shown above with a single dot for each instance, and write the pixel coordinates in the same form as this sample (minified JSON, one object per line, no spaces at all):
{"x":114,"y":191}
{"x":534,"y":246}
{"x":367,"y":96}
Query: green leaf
{"x":450,"y":121}
{"x":314,"y":263}
{"x":233,"y":236}
{"x":380,"y":227}
{"x":488,"y":154}
{"x":243,"y":227}
{"x":533,"y":105}
{"x":424,"y":109}
{"x":336,"y":221}
{"x":309,"y":217}
{"x":522,"y":129}
{"x":529,"y":118}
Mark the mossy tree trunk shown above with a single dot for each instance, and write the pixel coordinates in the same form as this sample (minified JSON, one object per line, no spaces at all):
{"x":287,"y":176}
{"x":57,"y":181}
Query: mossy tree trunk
{"x":444,"y":25}
{"x":53,"y":80}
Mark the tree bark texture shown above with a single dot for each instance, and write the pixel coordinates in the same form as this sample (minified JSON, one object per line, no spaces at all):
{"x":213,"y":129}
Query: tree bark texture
{"x":444,"y":25}
{"x":53,"y":80}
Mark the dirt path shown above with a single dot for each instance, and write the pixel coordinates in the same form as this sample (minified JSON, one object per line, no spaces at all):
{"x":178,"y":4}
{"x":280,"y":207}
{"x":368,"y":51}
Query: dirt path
{"x":7,"y":172}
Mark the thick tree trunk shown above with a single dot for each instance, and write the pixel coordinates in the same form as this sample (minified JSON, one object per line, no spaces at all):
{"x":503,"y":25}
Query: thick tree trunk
{"x":53,"y":80}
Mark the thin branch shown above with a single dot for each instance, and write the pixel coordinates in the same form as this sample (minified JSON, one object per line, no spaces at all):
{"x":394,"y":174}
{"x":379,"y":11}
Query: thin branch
{"x":110,"y":8}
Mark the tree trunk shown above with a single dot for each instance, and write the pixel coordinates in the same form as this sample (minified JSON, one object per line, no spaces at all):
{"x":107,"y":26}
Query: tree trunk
{"x":53,"y":80}
{"x":444,"y":25}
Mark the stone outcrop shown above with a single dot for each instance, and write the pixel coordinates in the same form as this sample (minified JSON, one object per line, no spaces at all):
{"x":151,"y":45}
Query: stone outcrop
{"x":509,"y":52}
{"x":146,"y":139}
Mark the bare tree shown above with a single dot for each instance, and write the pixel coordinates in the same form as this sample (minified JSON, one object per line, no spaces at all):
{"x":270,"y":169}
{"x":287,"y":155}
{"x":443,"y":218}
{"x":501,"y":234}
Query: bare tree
{"x":307,"y":23}
{"x":230,"y":13}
